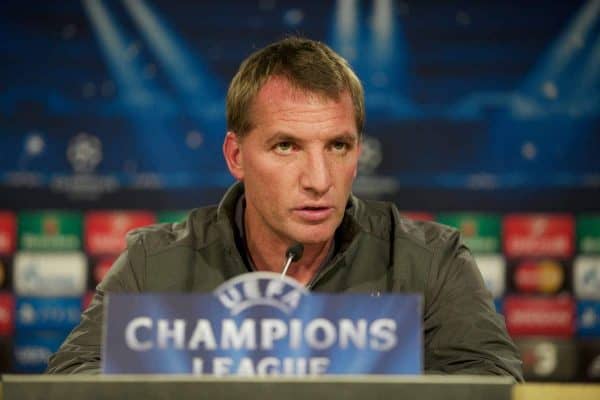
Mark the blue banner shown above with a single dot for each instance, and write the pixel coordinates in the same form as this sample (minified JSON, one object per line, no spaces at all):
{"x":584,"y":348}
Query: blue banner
{"x":259,"y":324}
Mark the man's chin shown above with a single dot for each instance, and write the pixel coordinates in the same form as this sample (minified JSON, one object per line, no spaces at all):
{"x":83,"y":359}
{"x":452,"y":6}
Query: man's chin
{"x":311,"y":236}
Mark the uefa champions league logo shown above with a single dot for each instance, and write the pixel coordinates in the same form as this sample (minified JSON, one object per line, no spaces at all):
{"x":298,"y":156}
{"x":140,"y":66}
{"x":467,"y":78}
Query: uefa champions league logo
{"x":260,"y":289}
{"x":84,"y":152}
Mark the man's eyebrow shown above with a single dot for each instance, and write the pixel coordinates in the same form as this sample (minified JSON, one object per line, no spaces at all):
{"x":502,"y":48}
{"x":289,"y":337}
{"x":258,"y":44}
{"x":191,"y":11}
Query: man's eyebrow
{"x":283,"y":137}
{"x":288,"y":137}
{"x":346,"y":137}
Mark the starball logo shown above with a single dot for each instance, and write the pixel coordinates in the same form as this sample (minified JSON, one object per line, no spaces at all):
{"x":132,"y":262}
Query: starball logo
{"x":260,"y":289}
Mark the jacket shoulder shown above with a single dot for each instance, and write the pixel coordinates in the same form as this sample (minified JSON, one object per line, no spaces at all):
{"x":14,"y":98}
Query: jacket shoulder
{"x":384,"y":218}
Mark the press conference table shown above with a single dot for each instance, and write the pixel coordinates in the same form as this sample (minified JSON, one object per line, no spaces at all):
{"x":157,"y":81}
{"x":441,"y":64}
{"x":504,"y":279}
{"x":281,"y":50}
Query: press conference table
{"x":88,"y":387}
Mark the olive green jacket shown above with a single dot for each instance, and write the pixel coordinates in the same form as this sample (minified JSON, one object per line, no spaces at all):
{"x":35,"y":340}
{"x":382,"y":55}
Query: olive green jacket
{"x":378,"y":251}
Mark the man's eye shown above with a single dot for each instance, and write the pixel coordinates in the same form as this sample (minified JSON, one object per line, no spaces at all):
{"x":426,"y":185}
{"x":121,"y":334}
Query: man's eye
{"x":284,"y":147}
{"x":340,"y":146}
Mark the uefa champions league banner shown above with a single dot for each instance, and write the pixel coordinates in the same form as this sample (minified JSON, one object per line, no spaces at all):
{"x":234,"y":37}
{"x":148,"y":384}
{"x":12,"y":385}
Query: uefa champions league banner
{"x":260,"y":324}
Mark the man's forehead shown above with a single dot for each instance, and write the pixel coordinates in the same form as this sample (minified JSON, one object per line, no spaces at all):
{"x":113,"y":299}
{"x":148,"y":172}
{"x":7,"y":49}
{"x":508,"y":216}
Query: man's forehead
{"x":278,"y":87}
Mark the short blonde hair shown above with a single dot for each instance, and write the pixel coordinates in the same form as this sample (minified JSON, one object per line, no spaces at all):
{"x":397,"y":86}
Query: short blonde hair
{"x":308,"y":65}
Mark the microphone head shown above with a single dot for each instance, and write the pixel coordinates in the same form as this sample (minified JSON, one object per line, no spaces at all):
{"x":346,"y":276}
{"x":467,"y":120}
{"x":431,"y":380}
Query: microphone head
{"x":295,"y":251}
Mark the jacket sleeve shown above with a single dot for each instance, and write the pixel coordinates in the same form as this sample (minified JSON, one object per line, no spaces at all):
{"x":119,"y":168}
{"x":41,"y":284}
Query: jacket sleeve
{"x":463,"y":334}
{"x":81,"y":351}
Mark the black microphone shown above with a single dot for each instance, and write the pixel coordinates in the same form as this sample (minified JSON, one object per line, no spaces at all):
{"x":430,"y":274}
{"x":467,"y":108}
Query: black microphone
{"x":292,"y":254}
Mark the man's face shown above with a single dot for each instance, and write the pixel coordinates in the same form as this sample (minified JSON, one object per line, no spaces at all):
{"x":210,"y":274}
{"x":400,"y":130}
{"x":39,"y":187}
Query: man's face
{"x":297,"y":164}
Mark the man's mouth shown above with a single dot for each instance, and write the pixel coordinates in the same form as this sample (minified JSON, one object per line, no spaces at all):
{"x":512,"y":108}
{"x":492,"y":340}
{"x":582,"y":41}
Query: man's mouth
{"x":314,"y":213}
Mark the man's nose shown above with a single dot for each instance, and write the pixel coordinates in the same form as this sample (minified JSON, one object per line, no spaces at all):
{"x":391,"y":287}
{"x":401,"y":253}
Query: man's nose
{"x":316,"y":174}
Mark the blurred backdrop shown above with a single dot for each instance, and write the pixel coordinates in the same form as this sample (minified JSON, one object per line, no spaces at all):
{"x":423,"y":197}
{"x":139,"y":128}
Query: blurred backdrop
{"x":480,"y":115}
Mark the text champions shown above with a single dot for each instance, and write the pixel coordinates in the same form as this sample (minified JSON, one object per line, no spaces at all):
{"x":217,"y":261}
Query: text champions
{"x":253,"y":335}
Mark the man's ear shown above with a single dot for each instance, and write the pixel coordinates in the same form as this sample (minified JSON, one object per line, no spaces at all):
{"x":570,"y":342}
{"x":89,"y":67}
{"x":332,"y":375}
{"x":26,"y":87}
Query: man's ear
{"x":232,"y":151}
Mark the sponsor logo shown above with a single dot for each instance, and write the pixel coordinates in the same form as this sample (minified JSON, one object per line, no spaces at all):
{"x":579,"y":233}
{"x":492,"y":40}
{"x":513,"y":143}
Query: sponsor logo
{"x":544,"y":276}
{"x":481,"y":232}
{"x":590,"y":245}
{"x":45,"y":313}
{"x":8,"y":231}
{"x":50,"y":230}
{"x":493,"y":271}
{"x":542,"y":358}
{"x":527,"y":316}
{"x":171,"y":216}
{"x":588,"y":318}
{"x":32,"y":349}
{"x":50,"y":274}
{"x":538,"y":235}
{"x":33,"y":241}
{"x":593,"y":370}
{"x":6,"y":314}
{"x":547,"y":359}
{"x":105,"y":231}
{"x":586,"y":271}
{"x":588,"y":233}
{"x":32,"y":355}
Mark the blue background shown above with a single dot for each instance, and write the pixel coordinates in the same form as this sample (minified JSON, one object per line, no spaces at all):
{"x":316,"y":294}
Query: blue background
{"x":470,"y":105}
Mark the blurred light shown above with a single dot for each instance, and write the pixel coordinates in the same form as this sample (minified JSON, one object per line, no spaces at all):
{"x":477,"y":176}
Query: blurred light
{"x":576,"y":41}
{"x":550,"y":90}
{"x":563,"y":53}
{"x":117,"y":53}
{"x":383,"y":18}
{"x":194,"y":140}
{"x":34,"y":144}
{"x":529,"y":151}
{"x":293,"y":17}
{"x":345,"y":28}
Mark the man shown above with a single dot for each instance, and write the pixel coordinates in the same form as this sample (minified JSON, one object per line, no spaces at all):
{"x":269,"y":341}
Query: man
{"x":295,"y":114}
